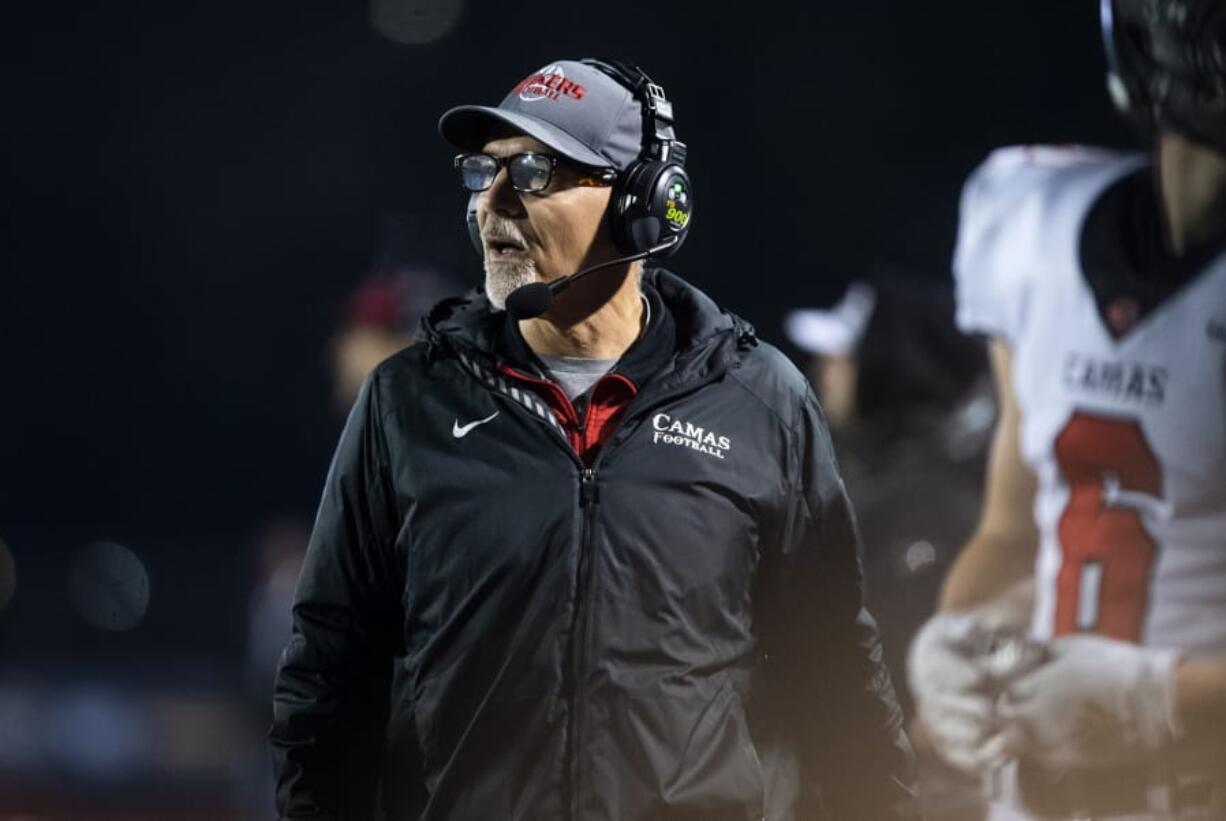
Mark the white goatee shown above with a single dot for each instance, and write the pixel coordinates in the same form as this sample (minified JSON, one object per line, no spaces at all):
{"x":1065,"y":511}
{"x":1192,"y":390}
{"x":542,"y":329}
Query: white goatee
{"x":504,"y":276}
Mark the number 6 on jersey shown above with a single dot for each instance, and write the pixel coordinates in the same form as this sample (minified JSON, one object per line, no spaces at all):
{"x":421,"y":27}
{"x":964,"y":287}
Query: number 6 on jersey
{"x":1112,"y":475}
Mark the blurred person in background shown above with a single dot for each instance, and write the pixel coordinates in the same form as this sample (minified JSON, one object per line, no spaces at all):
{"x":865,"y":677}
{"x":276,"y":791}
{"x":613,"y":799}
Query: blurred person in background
{"x":380,"y":317}
{"x":278,"y":549}
{"x":596,"y":534}
{"x":1079,"y":658}
{"x":887,"y":359}
{"x":384,"y":313}
{"x":910,"y":406}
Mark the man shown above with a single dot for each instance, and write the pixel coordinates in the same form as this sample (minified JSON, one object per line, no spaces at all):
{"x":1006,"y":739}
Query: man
{"x":1101,"y":278}
{"x":385,"y":310}
{"x":606,"y":547}
{"x":909,"y":405}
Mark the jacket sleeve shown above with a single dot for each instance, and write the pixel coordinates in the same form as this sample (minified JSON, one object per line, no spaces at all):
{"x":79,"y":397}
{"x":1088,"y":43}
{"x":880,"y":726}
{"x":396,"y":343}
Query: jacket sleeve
{"x":827,"y":683}
{"x":330,"y":704}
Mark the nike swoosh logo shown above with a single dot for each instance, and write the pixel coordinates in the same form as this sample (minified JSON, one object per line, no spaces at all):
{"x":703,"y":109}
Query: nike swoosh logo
{"x":460,"y":431}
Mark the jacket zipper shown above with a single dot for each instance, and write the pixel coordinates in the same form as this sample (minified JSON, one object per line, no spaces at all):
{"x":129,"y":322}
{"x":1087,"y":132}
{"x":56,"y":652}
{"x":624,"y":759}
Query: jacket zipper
{"x":581,"y":627}
{"x":588,"y":499}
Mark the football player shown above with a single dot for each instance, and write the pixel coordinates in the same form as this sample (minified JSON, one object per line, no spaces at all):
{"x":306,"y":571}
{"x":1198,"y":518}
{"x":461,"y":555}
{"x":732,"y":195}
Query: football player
{"x":1079,"y":656}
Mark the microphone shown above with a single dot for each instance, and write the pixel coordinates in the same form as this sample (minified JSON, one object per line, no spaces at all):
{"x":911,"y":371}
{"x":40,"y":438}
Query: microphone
{"x":531,"y":300}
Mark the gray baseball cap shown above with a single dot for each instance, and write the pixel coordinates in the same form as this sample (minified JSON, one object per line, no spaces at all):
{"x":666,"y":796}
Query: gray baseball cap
{"x":574,"y":108}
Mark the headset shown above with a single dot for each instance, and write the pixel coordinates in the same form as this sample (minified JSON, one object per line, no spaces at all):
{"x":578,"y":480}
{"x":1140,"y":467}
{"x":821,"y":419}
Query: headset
{"x":652,"y":199}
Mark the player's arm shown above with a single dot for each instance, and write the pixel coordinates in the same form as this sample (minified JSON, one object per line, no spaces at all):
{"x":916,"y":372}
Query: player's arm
{"x":1155,"y":697}
{"x":990,"y":586}
{"x":997,"y":563}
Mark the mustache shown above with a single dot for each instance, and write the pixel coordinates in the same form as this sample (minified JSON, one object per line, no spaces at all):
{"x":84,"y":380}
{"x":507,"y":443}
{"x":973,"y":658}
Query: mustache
{"x":497,"y":229}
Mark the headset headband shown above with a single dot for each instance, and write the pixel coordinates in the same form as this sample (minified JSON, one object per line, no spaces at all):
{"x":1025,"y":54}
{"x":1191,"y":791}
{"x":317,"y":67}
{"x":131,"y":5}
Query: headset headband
{"x":659,"y":141}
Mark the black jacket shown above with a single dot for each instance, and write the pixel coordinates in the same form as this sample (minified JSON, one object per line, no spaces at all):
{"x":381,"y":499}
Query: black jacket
{"x":674,"y":633}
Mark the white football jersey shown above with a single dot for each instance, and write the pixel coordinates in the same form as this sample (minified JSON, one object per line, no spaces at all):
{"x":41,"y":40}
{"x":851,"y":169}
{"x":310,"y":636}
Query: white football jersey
{"x":1127,"y":436}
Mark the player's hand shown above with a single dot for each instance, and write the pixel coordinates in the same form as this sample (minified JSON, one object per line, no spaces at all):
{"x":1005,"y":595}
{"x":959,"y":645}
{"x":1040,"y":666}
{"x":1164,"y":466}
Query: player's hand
{"x":1096,"y":702}
{"x":954,"y":694}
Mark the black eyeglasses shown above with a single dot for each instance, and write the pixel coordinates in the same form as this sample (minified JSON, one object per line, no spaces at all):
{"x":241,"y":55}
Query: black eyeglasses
{"x":529,"y":172}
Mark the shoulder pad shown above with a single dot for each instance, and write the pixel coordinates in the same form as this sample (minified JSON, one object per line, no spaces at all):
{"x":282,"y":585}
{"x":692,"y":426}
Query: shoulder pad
{"x":1020,"y":207}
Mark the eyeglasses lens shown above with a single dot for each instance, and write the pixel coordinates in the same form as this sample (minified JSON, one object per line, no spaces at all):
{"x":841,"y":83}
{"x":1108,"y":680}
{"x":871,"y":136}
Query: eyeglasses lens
{"x":477,"y":171}
{"x":530,"y":172}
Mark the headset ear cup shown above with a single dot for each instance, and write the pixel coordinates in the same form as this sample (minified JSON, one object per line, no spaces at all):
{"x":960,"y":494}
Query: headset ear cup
{"x":639,"y":228}
{"x":644,"y":232}
{"x":474,"y":230}
{"x":669,"y":202}
{"x":653,"y":203}
{"x":624,"y":209}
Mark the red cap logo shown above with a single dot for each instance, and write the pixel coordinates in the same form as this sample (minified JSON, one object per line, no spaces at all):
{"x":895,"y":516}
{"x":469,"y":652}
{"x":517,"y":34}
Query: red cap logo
{"x":548,"y":84}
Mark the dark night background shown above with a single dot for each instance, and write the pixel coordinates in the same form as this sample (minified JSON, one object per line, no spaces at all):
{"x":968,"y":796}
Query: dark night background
{"x":193,"y":189}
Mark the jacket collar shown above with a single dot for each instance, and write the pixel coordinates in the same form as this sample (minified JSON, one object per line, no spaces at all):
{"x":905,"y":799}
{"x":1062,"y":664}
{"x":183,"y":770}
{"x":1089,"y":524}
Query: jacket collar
{"x":651,"y":351}
{"x":689,"y":335}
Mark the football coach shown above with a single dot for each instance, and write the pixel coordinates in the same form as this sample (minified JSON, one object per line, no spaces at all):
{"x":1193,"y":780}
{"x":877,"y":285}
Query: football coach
{"x":583,"y":551}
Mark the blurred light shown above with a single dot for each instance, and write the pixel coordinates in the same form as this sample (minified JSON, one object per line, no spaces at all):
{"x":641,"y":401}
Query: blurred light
{"x":100,"y":733}
{"x":920,"y":555}
{"x":109,"y":586}
{"x":415,"y":22}
{"x":23,"y":717}
{"x":8,"y":575}
{"x":196,"y":734}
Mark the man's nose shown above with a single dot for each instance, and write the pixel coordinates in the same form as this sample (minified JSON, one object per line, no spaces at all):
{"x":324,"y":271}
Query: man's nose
{"x":501,"y":198}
